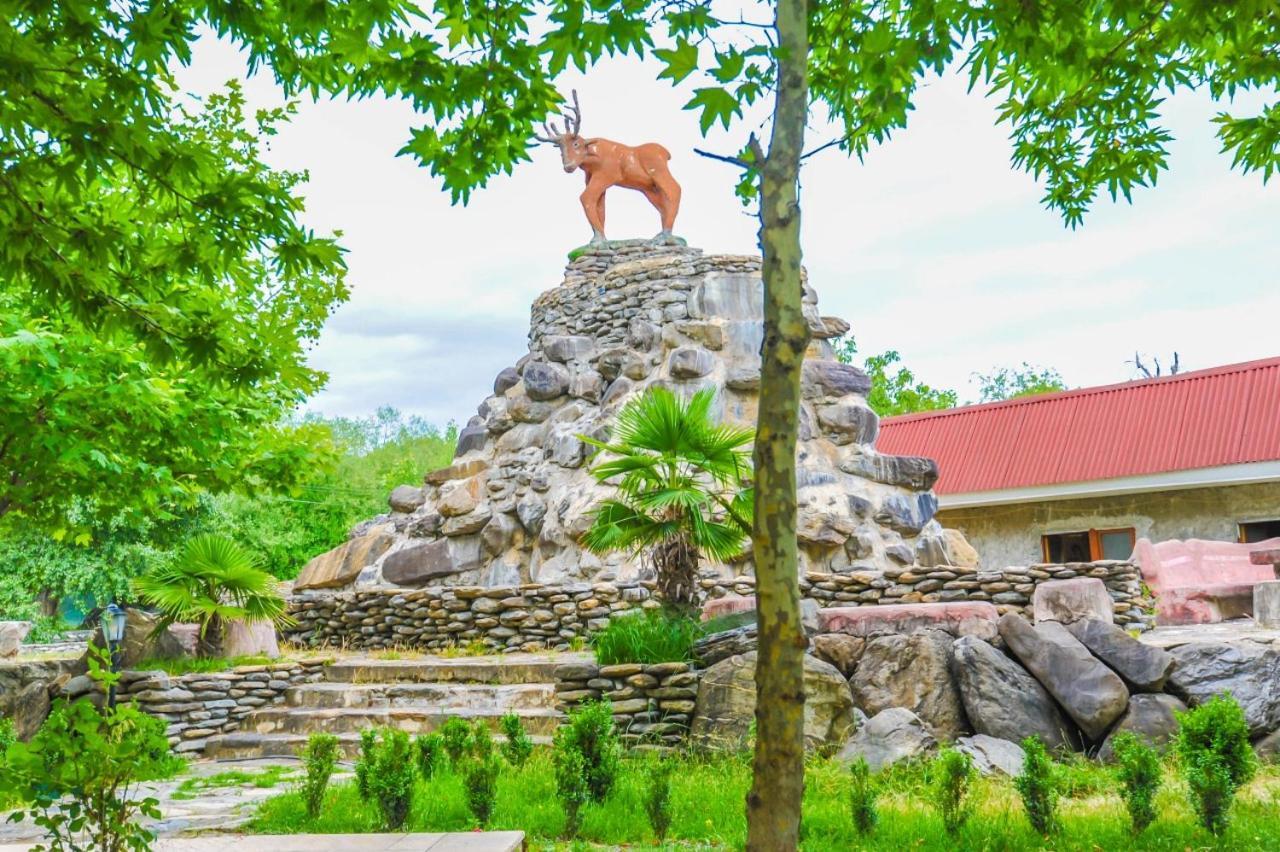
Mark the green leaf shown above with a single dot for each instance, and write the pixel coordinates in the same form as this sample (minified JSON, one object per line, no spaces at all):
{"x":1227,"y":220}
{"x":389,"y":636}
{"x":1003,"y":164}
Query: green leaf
{"x":715,"y":103}
{"x":681,"y":61}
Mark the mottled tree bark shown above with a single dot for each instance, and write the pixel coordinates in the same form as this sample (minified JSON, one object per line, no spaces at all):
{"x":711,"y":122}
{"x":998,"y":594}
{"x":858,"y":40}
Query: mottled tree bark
{"x":773,"y":805}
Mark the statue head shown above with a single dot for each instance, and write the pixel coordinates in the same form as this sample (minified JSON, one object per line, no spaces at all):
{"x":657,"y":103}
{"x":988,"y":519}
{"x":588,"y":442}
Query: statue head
{"x":573,"y":148}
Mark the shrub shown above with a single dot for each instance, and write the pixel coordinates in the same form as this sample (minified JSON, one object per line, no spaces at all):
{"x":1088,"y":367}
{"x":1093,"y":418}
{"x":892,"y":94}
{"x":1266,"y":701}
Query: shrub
{"x":368,"y":741}
{"x":657,"y":797}
{"x":480,"y":776}
{"x":481,"y":743}
{"x":320,"y":756}
{"x":955,"y":775}
{"x":391,"y":777}
{"x":456,"y":734}
{"x":571,"y":781}
{"x":80,"y":772}
{"x":589,"y":730}
{"x":862,"y":797}
{"x":1038,"y":787}
{"x":7,"y":735}
{"x":430,"y":752}
{"x":1139,"y":775}
{"x":651,"y":636}
{"x":1217,"y":759}
{"x":518,"y":745}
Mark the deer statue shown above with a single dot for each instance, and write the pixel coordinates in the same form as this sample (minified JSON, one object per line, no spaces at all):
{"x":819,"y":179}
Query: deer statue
{"x":606,"y":163}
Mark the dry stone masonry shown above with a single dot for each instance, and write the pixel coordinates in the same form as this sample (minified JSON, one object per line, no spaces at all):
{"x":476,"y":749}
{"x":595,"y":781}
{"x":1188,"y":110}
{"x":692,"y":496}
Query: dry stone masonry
{"x":652,"y":704}
{"x":628,"y":316}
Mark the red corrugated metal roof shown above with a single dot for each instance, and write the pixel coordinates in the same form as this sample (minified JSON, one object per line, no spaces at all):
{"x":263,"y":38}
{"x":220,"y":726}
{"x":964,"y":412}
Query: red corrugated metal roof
{"x":1221,"y":416}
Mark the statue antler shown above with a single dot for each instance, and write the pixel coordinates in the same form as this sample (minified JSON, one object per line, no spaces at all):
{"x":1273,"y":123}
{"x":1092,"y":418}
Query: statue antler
{"x":553,"y":134}
{"x":577,"y":116}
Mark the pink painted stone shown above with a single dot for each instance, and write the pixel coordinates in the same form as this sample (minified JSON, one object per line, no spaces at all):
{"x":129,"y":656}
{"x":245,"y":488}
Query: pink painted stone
{"x":727,"y":605}
{"x":1201,"y":582}
{"x":1066,"y":601}
{"x":967,"y":618}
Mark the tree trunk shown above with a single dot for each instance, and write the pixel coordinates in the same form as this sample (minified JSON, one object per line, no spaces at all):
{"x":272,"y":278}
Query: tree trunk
{"x":773,"y":805}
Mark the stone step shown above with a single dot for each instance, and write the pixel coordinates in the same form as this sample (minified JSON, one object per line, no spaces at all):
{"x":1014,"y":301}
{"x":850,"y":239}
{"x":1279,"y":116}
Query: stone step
{"x":435,"y":696}
{"x":501,"y":669}
{"x":245,"y":745}
{"x":414,"y":720}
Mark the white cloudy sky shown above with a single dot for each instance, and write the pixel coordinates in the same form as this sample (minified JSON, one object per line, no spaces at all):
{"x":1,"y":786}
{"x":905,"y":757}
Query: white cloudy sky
{"x":933,"y":246}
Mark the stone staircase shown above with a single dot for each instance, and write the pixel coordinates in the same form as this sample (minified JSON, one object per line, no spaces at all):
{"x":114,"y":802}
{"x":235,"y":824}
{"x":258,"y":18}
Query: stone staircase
{"x":415,"y":696}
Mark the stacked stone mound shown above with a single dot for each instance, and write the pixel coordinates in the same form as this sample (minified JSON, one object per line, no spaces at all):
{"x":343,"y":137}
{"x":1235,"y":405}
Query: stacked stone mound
{"x":630,"y":316}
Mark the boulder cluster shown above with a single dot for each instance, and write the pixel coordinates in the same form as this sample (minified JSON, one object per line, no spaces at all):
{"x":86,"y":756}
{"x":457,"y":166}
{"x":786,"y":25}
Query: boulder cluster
{"x":628,"y":316}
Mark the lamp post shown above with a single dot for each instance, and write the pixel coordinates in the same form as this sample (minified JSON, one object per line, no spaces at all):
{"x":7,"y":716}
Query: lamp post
{"x":114,"y":620}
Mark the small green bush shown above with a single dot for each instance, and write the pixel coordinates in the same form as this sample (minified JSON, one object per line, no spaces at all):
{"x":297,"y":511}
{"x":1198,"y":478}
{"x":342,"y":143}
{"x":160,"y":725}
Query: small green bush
{"x":657,"y":797}
{"x":430,"y":751}
{"x":368,"y":741}
{"x":481,"y":744}
{"x":457,"y":738}
{"x":518,"y":745}
{"x":1138,"y":771}
{"x":7,"y":735}
{"x":954,"y":776}
{"x":654,"y":636}
{"x":320,"y":757}
{"x":1217,"y":759}
{"x":862,"y":797}
{"x":391,"y":777}
{"x":480,"y":776}
{"x":590,"y":730}
{"x":571,"y":781}
{"x":1038,"y":787}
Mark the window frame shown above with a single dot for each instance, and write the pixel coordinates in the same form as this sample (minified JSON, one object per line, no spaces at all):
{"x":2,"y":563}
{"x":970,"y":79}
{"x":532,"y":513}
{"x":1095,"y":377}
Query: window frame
{"x":1240,"y":525}
{"x":1095,"y":540}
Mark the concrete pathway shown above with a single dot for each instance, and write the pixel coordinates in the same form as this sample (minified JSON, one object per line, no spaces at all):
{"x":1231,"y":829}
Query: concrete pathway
{"x":489,"y":841}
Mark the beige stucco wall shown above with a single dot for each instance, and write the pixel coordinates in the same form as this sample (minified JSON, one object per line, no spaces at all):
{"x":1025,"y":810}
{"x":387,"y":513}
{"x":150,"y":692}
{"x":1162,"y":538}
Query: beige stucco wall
{"x":1010,"y":535}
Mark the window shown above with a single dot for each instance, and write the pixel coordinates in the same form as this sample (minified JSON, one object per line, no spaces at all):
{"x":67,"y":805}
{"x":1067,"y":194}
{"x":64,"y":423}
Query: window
{"x":1088,"y":545}
{"x":1259,"y":531}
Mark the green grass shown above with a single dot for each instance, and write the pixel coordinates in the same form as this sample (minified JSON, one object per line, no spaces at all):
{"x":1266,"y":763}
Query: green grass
{"x":203,"y":665}
{"x":654,"y":636}
{"x":707,"y":808}
{"x":269,"y":777}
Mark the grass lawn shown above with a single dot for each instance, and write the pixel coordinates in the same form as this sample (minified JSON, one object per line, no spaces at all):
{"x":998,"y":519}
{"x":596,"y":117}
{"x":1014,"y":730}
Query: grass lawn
{"x":708,"y":794}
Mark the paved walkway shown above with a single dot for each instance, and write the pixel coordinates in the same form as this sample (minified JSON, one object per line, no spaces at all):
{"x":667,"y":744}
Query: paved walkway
{"x":490,"y":841}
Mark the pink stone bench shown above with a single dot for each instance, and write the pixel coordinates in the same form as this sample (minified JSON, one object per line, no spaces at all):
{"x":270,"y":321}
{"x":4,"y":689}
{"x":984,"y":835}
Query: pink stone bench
{"x":1270,"y":556}
{"x":1200,"y":582}
{"x":966,"y":618}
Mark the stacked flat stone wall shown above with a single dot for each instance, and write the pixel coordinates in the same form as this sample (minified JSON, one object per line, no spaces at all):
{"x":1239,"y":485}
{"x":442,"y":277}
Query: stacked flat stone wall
{"x":200,"y":705}
{"x":652,"y":704}
{"x":536,"y":616}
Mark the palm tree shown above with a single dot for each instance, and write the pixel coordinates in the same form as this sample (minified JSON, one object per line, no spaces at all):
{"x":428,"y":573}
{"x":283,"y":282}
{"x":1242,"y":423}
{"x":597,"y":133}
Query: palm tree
{"x":683,"y":489}
{"x":211,"y":582}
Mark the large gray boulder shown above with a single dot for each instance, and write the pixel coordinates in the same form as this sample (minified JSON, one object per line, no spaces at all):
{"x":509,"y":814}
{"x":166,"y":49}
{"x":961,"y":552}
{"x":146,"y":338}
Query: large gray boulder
{"x":839,"y":650}
{"x":1001,"y":700}
{"x":726,"y":704}
{"x":911,"y":671}
{"x":29,"y":708}
{"x":11,"y":635}
{"x":1071,"y":600}
{"x":1144,"y":667}
{"x":891,"y":736}
{"x":1149,"y":717}
{"x":1248,"y":670}
{"x":1092,"y":694}
{"x":991,"y":755}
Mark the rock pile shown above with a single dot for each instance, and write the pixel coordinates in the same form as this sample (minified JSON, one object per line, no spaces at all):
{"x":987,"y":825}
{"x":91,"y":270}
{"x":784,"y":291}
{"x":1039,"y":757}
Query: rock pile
{"x":629,"y":316}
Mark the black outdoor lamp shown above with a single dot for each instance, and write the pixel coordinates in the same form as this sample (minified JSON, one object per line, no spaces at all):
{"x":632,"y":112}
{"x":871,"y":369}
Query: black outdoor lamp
{"x":114,"y":619}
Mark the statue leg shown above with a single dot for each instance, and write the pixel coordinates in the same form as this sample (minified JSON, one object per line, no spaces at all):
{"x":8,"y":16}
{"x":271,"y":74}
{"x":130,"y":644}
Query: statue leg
{"x":592,"y":199}
{"x":670,"y":191}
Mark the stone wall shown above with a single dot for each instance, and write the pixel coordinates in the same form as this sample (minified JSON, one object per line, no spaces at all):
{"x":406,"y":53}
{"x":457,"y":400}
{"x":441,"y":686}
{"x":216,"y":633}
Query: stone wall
{"x":1010,"y":535}
{"x":534,"y":616}
{"x":652,"y":704}
{"x":200,"y":705}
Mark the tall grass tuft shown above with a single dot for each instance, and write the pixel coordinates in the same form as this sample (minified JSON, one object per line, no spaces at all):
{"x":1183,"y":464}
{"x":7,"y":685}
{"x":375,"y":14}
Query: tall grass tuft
{"x":653,"y":636}
{"x":862,"y":797}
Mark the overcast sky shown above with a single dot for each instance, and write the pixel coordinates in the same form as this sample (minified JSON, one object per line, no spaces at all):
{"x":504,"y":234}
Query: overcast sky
{"x":934,"y":246}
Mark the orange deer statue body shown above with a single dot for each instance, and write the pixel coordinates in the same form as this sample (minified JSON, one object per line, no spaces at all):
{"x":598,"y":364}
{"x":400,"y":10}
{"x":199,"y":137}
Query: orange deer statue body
{"x":607,"y":163}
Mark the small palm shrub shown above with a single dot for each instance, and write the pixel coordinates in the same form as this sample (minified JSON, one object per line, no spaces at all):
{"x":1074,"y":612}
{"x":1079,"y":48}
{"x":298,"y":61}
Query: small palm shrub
{"x":657,"y":797}
{"x":862,"y":797}
{"x":391,"y":777}
{"x":1138,"y":771}
{"x":1038,"y":787}
{"x":590,"y":731}
{"x":210,"y":582}
{"x":954,"y":775}
{"x":1217,"y":759}
{"x":364,"y":762}
{"x":480,"y":777}
{"x":518,"y":745}
{"x":683,"y":489}
{"x":571,"y":781}
{"x":456,"y":734}
{"x":648,"y":636}
{"x":430,"y":753}
{"x":320,"y":756}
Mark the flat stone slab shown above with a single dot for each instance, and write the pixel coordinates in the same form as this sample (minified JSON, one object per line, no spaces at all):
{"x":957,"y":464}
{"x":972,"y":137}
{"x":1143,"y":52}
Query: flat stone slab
{"x":1071,"y":600}
{"x":1237,"y":630}
{"x":1266,"y":604}
{"x":969,"y":618}
{"x":468,"y":841}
